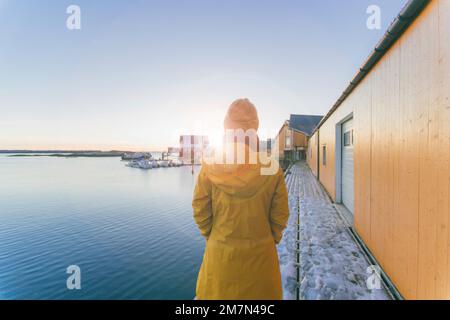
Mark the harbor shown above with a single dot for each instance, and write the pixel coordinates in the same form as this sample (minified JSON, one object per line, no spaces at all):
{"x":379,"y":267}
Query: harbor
{"x":147,"y":161}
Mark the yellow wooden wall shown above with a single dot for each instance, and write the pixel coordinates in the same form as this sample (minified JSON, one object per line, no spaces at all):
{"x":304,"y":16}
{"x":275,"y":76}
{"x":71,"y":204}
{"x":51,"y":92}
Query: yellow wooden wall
{"x":311,"y":156}
{"x":298,"y":139}
{"x":402,"y":157}
{"x":281,"y":139}
{"x":327,"y":172}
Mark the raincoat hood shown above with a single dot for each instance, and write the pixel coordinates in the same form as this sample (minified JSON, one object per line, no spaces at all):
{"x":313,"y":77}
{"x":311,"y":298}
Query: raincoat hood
{"x":243,"y":180}
{"x":240,"y":180}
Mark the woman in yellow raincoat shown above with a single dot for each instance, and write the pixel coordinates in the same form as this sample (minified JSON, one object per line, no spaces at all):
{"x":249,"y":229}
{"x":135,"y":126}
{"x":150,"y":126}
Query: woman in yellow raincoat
{"x":242,"y":214}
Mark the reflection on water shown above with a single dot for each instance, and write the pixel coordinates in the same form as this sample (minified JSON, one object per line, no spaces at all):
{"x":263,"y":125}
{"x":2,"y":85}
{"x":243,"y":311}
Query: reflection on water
{"x":131,"y":231}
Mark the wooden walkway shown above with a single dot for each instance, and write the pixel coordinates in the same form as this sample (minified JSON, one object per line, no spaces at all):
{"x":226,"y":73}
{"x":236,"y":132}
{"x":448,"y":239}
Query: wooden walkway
{"x":318,"y":256}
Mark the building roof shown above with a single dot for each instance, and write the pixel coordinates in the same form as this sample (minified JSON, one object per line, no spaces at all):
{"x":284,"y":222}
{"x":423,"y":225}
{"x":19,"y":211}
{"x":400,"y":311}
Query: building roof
{"x":405,"y":18}
{"x":304,"y":123}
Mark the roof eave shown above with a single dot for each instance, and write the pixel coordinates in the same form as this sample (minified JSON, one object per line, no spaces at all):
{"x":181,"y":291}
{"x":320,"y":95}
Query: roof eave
{"x":405,"y":18}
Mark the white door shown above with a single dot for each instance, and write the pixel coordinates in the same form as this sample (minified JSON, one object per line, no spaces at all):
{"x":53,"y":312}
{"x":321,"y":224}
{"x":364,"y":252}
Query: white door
{"x":347,"y":165}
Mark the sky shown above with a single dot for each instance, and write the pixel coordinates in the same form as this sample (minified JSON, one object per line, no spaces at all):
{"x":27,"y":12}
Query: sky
{"x":138,"y":74}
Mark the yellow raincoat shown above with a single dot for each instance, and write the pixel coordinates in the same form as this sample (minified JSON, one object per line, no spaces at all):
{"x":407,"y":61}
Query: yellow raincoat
{"x":242,"y":214}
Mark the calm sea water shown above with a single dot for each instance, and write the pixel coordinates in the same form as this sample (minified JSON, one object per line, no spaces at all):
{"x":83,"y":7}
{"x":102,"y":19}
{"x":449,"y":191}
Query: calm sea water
{"x":130,"y":231}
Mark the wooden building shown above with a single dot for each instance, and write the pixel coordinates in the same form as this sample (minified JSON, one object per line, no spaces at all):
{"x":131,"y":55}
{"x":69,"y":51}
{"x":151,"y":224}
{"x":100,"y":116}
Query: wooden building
{"x":292,"y":138}
{"x":383,"y":151}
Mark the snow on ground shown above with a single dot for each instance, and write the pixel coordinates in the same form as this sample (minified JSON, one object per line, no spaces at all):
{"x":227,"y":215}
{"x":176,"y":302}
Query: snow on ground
{"x":333,"y":266}
{"x":286,"y":249}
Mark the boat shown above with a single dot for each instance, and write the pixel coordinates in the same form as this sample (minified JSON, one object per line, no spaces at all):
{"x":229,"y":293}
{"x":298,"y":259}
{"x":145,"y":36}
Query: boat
{"x":175,"y":163}
{"x":140,"y":164}
{"x":163,"y":163}
{"x":154,"y":163}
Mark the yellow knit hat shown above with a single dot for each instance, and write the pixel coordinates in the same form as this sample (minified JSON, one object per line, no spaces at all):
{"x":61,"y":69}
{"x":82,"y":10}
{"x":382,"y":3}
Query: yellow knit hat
{"x":242,"y":114}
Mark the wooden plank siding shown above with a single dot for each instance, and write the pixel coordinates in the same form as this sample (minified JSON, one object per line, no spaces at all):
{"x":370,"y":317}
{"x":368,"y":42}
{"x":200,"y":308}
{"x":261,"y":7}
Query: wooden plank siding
{"x":444,"y":150}
{"x":280,"y":140}
{"x":363,"y":158}
{"x":298,"y":139}
{"x":327,"y":174}
{"x":401,"y":113}
{"x":311,"y":156}
{"x":425,"y":76}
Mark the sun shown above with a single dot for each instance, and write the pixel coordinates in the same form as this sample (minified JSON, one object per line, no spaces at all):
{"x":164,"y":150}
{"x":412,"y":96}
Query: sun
{"x":215,"y":138}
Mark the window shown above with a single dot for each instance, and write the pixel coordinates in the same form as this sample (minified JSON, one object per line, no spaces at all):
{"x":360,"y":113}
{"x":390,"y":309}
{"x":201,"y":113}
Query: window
{"x":288,"y":141}
{"x":347,"y":139}
{"x":324,"y":155}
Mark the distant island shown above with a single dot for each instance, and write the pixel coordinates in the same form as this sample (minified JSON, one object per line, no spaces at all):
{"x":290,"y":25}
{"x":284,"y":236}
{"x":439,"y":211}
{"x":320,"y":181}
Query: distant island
{"x":63,"y":153}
